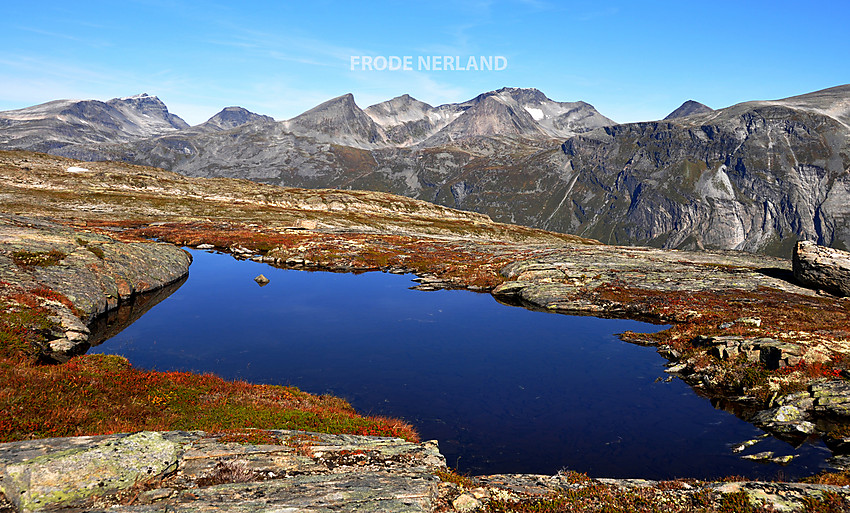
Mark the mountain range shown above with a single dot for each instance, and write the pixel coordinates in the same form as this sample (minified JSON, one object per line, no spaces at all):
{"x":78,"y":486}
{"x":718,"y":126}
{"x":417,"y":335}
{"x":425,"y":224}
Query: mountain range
{"x":754,"y":176}
{"x":51,"y":126}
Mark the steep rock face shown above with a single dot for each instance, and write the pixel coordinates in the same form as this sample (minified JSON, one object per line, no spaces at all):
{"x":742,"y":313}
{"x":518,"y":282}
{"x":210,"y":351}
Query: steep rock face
{"x":147,"y":114}
{"x":689,"y":108}
{"x":753,"y":177}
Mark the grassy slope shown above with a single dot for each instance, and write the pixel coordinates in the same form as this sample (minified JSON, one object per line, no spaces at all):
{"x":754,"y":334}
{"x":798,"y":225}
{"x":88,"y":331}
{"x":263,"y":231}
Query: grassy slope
{"x":99,"y":394}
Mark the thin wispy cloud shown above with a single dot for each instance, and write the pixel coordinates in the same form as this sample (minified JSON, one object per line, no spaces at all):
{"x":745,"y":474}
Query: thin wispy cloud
{"x":458,"y":41}
{"x":88,"y":41}
{"x":37,"y":65}
{"x":290,"y":48}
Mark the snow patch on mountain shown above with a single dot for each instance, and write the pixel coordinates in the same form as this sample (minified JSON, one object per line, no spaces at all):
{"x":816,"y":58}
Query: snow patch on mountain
{"x":537,"y":114}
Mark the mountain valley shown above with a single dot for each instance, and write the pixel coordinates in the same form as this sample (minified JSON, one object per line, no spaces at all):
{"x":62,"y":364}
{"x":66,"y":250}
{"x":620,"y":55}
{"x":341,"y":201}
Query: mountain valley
{"x":756,"y":176}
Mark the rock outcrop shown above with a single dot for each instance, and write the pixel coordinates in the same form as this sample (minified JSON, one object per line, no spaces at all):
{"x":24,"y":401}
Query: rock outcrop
{"x":832,"y":397}
{"x":566,"y":279}
{"x":822,"y":267}
{"x":195,"y":471}
{"x":772,"y":354}
{"x":95,"y":272}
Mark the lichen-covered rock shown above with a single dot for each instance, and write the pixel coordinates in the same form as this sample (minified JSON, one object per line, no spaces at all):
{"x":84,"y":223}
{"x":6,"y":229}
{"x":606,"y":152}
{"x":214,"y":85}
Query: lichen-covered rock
{"x":785,"y":419}
{"x":570,"y":487}
{"x":103,"y":466}
{"x":778,"y":496}
{"x":199,"y":472}
{"x":832,"y":397}
{"x":466,"y":503}
{"x":822,"y":267}
{"x":800,"y":400}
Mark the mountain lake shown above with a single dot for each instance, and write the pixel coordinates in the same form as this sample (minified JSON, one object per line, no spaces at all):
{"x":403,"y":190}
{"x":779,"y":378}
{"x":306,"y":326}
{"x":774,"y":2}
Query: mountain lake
{"x":503,"y":389}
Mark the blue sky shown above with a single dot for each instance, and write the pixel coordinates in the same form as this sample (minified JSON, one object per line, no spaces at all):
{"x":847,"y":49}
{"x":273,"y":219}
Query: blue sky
{"x":633,"y":61}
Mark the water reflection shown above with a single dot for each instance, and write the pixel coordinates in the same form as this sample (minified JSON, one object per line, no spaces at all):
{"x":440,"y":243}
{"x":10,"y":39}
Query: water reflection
{"x":115,"y":321}
{"x":503,"y":389}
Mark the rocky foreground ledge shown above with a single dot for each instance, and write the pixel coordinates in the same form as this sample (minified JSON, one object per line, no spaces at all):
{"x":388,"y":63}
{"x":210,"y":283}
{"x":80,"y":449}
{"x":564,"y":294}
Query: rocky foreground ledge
{"x":296,"y":471}
{"x":196,"y":471}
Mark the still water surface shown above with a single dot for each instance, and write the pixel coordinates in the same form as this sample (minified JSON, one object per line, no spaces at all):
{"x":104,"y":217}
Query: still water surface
{"x":503,"y":389}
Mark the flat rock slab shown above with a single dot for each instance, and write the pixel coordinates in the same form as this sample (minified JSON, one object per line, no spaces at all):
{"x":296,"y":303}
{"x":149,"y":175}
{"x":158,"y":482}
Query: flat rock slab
{"x":781,"y":496}
{"x":361,"y":491}
{"x":195,"y":471}
{"x":561,"y":278}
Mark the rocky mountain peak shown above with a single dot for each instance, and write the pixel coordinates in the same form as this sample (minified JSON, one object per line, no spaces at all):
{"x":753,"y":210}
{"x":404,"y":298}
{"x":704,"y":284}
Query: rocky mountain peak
{"x":399,"y":102}
{"x":689,"y":108}
{"x":400,"y":109}
{"x":343,"y":105}
{"x":137,"y":97}
{"x":232,"y":117}
{"x":58,"y":124}
{"x":555,"y":119}
{"x":489,"y":115}
{"x":147,"y":110}
{"x":339,"y":121}
{"x":523,"y":95}
{"x":407,"y":120}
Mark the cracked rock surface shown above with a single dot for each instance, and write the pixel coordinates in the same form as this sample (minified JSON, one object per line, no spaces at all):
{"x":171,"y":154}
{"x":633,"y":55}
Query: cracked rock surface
{"x":196,"y":471}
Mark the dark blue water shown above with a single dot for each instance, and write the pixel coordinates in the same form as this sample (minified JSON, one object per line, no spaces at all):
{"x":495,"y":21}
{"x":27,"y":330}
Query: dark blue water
{"x":503,"y":389}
